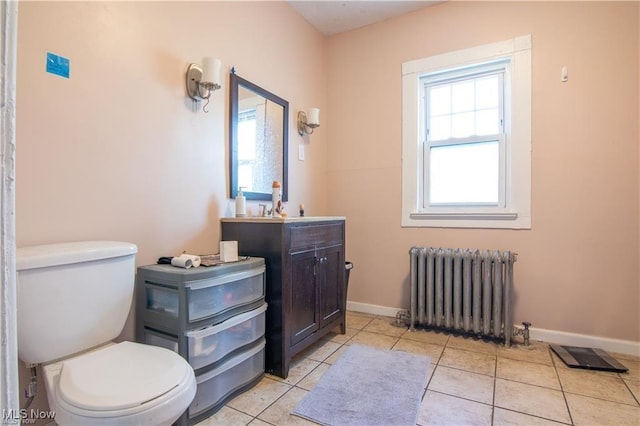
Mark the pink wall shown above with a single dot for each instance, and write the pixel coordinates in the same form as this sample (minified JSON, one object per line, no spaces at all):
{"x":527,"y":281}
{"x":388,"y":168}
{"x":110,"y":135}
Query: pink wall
{"x":577,"y":268}
{"x":116,"y":151}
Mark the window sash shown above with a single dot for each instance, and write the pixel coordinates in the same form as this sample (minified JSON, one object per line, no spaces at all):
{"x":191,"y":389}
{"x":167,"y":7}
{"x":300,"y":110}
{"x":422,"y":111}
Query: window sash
{"x":427,"y":204}
{"x":429,"y":114}
{"x":494,"y":68}
{"x":429,"y":82}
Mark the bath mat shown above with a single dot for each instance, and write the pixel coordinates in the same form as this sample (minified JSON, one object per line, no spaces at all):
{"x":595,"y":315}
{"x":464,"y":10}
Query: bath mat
{"x":368,"y":386}
{"x":589,"y":358}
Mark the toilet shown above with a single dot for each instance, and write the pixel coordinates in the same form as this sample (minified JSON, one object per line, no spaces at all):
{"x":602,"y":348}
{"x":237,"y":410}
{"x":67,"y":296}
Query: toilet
{"x":73,"y":299}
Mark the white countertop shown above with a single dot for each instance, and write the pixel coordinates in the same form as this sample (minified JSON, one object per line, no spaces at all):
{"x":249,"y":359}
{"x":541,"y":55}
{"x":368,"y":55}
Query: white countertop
{"x":288,"y":219}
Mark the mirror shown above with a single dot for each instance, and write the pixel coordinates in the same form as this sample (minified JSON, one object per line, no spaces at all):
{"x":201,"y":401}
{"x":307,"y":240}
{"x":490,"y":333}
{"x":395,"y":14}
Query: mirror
{"x":258,"y":142}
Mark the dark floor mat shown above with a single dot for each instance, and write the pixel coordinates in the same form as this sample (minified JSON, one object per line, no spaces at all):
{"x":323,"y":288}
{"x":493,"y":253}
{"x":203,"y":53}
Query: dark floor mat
{"x":589,"y":358}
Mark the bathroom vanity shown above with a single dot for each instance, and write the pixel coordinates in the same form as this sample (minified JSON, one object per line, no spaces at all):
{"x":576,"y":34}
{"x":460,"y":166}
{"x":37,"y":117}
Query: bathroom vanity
{"x":305,"y":279}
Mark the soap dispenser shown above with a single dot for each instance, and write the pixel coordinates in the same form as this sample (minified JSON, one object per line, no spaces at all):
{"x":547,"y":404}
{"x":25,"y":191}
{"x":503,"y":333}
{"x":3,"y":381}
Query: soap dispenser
{"x":241,"y":205}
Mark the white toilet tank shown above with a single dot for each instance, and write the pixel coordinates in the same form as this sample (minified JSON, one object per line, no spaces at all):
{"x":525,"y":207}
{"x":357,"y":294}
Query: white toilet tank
{"x":72,"y":296}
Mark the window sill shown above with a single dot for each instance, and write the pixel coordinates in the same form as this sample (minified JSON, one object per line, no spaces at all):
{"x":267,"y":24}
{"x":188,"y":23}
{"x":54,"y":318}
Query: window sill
{"x":465,"y":215}
{"x":488,"y":220}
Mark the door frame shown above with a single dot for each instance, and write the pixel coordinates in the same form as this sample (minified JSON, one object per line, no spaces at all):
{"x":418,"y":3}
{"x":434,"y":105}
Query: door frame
{"x":9,"y":381}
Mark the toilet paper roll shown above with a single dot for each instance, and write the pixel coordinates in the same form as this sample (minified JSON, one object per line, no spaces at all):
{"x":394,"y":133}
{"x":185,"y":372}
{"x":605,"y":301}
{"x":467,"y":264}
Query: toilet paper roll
{"x":229,"y":251}
{"x":182,"y":262}
{"x":195,"y":260}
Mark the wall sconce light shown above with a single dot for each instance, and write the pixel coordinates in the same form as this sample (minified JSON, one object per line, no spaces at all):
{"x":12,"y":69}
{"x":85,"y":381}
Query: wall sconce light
{"x":203,"y":81}
{"x":308,"y":122}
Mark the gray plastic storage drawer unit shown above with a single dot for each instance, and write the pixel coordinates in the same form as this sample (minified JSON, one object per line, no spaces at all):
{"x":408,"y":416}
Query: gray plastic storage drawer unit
{"x":215,"y":318}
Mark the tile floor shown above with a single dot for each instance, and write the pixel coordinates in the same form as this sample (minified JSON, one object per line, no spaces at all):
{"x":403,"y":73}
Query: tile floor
{"x":471,"y":382}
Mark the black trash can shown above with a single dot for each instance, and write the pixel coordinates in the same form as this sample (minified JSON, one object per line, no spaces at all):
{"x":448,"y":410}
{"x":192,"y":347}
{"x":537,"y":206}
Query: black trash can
{"x":348,"y":266}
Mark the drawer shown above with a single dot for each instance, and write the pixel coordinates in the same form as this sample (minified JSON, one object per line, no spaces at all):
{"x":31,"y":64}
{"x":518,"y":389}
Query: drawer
{"x":211,"y":297}
{"x":211,"y":344}
{"x":207,"y":298}
{"x":161,"y":299}
{"x":160,"y":339}
{"x":215,"y":386}
{"x":309,"y":235}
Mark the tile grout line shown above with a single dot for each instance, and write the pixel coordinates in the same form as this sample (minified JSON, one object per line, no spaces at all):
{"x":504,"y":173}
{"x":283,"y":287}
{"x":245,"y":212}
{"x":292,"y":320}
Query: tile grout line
{"x":599,"y":398}
{"x":436,"y":365}
{"x":397,"y":339}
{"x":295,"y":385}
{"x":495,"y":381}
{"x":630,"y":391}
{"x":564,"y":395}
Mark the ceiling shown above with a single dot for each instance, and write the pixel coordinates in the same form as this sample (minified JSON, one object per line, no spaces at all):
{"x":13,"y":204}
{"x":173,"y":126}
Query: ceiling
{"x":333,"y":16}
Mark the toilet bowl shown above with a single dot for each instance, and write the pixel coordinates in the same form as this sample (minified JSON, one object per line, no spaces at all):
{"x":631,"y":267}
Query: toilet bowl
{"x":73,"y":300}
{"x":120,"y":384}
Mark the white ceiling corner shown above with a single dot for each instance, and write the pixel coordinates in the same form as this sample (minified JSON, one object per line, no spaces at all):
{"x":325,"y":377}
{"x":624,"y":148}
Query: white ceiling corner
{"x":334,"y":16}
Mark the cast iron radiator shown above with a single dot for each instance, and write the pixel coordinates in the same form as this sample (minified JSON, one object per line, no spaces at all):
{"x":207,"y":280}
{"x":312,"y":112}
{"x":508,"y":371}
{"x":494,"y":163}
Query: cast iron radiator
{"x":463,"y":291}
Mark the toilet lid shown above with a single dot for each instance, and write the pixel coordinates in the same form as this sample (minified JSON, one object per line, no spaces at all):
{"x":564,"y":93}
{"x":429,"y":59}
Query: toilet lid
{"x":120,"y":376}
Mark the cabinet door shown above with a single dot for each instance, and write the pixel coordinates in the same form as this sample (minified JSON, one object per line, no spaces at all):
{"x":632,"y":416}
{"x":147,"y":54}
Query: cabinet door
{"x":304,"y":294}
{"x":330,"y":281}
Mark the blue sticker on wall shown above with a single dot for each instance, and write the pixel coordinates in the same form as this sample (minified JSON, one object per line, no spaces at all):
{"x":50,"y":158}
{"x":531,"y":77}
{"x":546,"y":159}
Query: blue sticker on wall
{"x":57,"y":65}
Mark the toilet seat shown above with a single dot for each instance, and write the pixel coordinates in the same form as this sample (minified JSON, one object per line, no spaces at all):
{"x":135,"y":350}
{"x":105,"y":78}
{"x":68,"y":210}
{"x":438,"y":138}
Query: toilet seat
{"x":120,"y":376}
{"x":123,"y":380}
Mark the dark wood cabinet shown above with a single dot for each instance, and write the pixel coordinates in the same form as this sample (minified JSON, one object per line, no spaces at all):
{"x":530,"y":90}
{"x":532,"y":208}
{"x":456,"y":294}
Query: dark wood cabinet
{"x":305,"y":279}
{"x":304,"y":300}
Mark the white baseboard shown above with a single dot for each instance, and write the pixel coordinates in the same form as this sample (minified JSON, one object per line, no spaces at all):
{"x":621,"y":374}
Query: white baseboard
{"x":627,"y":347}
{"x":366,"y":308}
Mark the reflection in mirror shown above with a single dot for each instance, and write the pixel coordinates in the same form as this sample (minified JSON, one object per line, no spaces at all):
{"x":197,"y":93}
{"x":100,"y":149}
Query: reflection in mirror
{"x":258,"y":140}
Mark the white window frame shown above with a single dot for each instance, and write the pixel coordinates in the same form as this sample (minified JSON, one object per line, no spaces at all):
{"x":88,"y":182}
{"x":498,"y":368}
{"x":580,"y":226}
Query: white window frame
{"x":515,"y":211}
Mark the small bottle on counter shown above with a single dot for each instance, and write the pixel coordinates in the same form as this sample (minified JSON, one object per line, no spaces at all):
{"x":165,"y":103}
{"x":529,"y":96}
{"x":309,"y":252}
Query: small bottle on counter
{"x":301,"y":206}
{"x":275,"y":196}
{"x":241,"y":204}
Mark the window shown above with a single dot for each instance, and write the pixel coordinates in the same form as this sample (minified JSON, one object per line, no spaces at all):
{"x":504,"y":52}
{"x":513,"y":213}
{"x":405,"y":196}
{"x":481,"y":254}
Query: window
{"x":466,"y":138}
{"x":246,"y":148}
